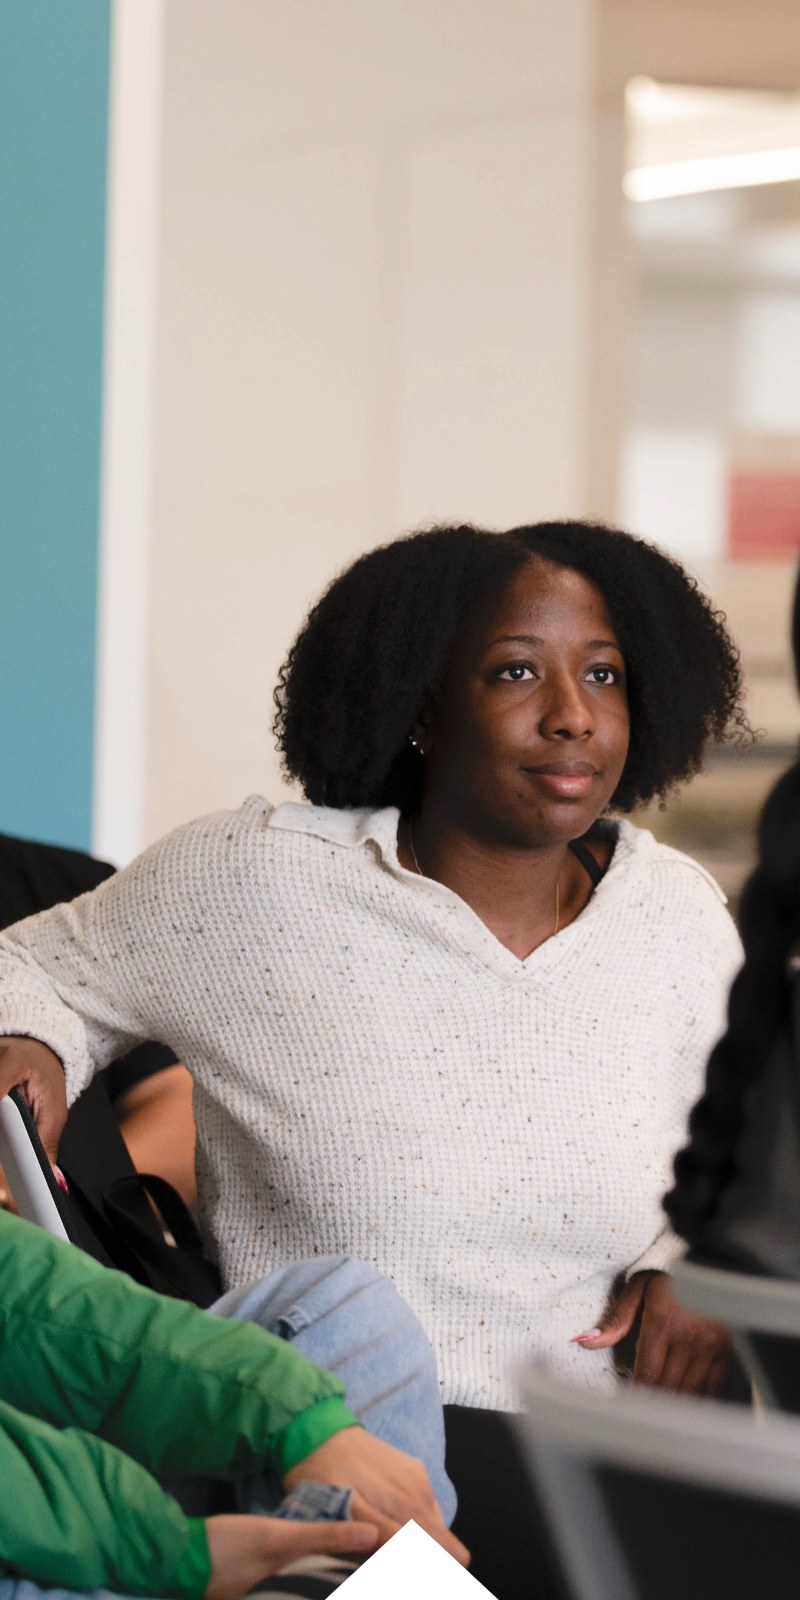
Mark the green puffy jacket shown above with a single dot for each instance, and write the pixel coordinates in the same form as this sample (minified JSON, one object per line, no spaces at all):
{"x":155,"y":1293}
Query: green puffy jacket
{"x":103,"y":1384}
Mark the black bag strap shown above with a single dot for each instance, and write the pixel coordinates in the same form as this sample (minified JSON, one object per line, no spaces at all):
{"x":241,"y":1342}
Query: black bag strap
{"x":92,"y":1153}
{"x":587,"y":861}
{"x":90,"y":1230}
{"x":180,"y":1269}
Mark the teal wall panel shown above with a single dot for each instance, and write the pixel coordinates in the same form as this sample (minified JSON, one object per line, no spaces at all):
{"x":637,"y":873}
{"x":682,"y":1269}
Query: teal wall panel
{"x":54,"y":60}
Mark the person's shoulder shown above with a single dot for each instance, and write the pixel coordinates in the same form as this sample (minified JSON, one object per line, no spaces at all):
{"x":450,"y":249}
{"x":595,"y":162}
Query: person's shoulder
{"x":192,"y":847}
{"x":254,"y":826}
{"x":681,"y":892}
{"x":644,"y":856}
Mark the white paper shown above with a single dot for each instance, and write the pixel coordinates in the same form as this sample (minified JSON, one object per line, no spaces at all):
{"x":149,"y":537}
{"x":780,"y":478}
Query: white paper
{"x":412,"y":1566}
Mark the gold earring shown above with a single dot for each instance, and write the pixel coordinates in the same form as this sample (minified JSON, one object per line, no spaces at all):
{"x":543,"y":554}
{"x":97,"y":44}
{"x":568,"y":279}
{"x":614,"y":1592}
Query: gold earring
{"x":415,"y":743}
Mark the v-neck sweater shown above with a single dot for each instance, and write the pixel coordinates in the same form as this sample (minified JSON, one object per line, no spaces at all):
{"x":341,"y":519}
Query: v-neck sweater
{"x":376,"y":1075}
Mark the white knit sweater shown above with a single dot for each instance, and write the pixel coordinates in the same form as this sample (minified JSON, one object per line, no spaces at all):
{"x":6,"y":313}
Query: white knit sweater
{"x":376,"y":1075}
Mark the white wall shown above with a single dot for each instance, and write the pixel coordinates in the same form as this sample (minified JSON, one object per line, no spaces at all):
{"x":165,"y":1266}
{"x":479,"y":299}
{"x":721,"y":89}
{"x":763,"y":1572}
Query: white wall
{"x":374,"y":298}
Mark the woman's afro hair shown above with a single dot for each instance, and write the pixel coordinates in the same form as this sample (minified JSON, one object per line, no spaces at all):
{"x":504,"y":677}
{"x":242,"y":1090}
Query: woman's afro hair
{"x":375,"y":648}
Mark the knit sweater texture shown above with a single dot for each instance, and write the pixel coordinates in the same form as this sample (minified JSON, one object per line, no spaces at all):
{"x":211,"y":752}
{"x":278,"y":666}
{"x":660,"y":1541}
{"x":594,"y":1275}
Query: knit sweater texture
{"x":376,"y":1075}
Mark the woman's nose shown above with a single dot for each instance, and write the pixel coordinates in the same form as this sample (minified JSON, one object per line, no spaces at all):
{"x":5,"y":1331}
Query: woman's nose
{"x":567,"y":715}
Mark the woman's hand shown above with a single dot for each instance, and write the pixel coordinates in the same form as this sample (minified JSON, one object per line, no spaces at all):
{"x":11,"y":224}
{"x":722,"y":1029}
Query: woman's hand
{"x":394,"y":1485}
{"x":245,"y":1550}
{"x":28,"y":1065}
{"x":676,"y":1349}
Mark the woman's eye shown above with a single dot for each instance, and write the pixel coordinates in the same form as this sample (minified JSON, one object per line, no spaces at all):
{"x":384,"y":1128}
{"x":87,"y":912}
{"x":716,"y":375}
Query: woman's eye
{"x":603,"y":675}
{"x":516,"y":674}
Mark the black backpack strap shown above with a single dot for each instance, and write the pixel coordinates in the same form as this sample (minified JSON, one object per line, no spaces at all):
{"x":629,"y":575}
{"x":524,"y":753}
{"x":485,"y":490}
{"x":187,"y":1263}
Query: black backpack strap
{"x":180,"y":1269}
{"x":587,"y":860}
{"x":92,"y":1153}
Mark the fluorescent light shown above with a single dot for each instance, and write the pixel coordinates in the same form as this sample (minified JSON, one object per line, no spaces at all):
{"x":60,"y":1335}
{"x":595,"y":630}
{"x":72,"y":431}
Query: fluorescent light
{"x":664,"y":179}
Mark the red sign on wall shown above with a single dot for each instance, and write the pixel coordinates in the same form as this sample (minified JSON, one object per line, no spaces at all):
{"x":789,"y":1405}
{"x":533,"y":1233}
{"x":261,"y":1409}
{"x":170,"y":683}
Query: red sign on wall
{"x":764,"y":516}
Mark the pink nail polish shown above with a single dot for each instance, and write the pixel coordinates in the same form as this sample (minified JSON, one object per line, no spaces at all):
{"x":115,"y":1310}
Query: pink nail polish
{"x":584,"y":1338}
{"x":60,"y":1179}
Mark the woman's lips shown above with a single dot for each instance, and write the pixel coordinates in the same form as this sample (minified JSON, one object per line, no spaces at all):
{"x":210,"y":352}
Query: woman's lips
{"x":570,"y":780}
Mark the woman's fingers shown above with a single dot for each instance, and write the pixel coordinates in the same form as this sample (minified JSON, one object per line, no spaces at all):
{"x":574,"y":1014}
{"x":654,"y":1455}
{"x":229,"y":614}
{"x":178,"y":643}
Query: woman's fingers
{"x":31,"y":1067}
{"x":684,"y":1370}
{"x":698,"y":1363}
{"x":619,"y":1320}
{"x":652,"y":1349}
{"x":718,"y":1372}
{"x":676,"y":1349}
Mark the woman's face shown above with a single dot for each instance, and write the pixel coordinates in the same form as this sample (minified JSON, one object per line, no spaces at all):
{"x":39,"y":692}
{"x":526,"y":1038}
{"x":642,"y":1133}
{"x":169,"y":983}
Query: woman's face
{"x":529,"y":739}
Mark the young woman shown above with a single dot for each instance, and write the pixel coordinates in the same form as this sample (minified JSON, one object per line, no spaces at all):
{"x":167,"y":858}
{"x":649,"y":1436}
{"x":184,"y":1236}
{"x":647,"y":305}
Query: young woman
{"x":447,"y":1017}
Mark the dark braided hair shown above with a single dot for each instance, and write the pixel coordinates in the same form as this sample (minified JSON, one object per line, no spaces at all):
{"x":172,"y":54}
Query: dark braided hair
{"x":375,"y":648}
{"x":758,"y":1010}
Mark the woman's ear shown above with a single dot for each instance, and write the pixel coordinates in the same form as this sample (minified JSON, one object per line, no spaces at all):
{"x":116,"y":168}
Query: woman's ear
{"x":420,"y":733}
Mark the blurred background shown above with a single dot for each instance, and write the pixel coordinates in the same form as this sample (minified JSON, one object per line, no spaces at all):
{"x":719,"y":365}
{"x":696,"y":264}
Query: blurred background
{"x":283,"y":278}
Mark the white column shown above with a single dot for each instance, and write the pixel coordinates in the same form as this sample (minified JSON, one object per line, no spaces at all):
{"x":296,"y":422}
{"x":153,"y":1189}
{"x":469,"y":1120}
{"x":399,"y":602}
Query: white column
{"x":129,"y":361}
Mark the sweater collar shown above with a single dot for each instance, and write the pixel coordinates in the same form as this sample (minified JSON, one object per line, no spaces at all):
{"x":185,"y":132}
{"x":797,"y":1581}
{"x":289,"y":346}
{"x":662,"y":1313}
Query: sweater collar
{"x":347,"y":828}
{"x":635,"y":850}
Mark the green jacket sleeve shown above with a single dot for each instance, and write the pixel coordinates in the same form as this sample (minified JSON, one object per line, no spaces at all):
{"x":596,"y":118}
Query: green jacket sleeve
{"x":176,"y":1389}
{"x":60,"y":1526}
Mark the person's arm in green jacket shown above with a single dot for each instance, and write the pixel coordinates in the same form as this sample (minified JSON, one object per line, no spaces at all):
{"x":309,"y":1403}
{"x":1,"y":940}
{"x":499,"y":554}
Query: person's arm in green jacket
{"x":78,"y":1514}
{"x":92,"y":1366}
{"x":101,"y":1380}
{"x":176,"y":1389}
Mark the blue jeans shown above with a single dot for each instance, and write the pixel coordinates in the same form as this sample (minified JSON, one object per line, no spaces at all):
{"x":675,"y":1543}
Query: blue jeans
{"x":345,"y":1317}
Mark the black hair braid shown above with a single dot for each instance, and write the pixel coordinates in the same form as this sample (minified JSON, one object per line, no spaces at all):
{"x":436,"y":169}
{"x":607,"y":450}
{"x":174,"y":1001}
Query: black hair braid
{"x":759,"y":1008}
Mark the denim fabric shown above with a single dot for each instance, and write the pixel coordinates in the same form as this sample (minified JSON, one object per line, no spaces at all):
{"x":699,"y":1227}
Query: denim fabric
{"x":316,"y":1502}
{"x":345,"y":1317}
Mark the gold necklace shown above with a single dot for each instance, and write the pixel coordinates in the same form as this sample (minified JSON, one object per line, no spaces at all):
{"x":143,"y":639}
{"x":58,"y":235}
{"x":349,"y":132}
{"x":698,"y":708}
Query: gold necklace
{"x":421,"y":874}
{"x":413,"y":851}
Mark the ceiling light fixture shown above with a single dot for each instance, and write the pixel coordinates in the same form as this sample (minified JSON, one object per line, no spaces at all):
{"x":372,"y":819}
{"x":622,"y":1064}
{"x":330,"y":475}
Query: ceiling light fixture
{"x":665,"y":179}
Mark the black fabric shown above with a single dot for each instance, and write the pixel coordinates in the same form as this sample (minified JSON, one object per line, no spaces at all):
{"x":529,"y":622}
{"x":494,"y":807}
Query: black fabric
{"x":603,"y":829}
{"x":779,"y":1356}
{"x":143,"y":1062}
{"x":498,"y":1518}
{"x":106,"y":1211}
{"x":34,"y":877}
{"x":306,"y":1587}
{"x":587,"y":860}
{"x":91,"y":1147}
{"x":756,"y":1225}
{"x":115,"y":1221}
{"x":684,"y":1542}
{"x":180,"y":1269}
{"x":117,"y":1238}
